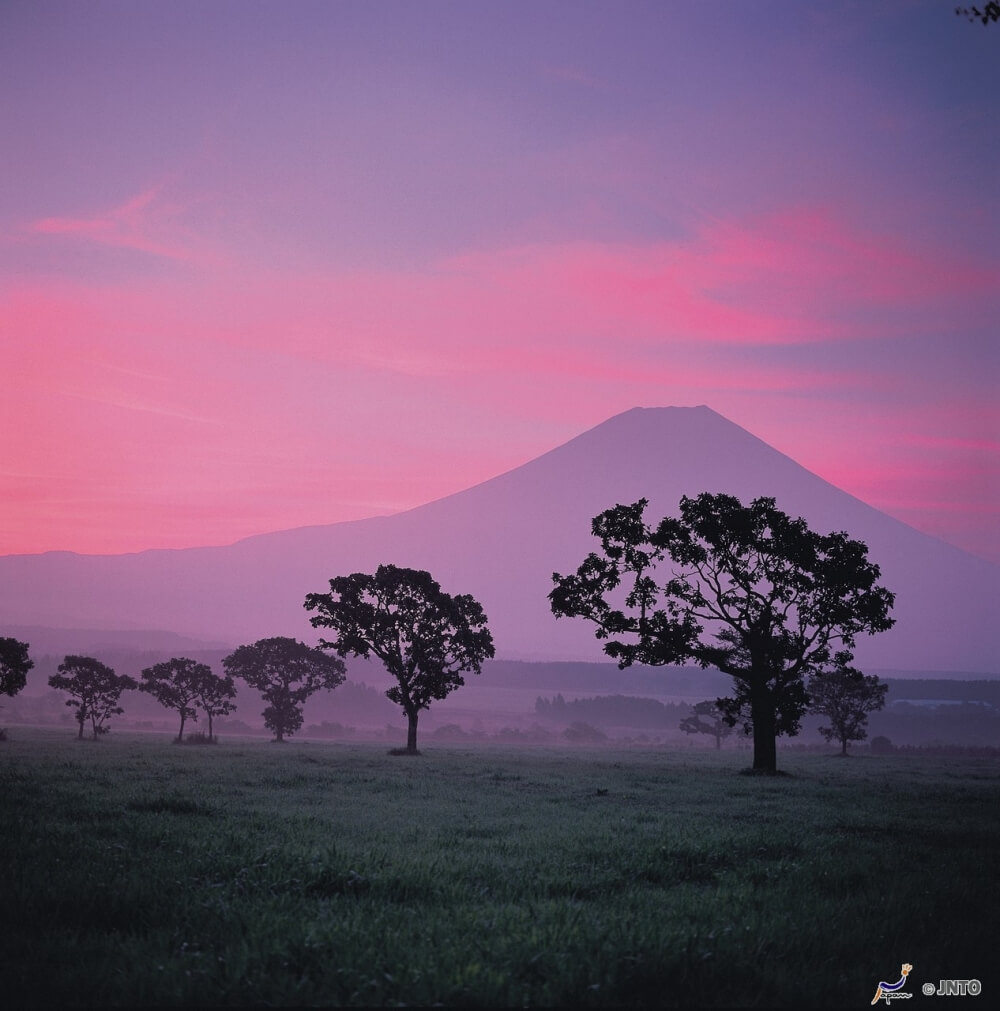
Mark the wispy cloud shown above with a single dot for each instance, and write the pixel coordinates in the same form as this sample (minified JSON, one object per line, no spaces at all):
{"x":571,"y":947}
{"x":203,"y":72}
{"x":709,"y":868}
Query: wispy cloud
{"x":147,"y":222}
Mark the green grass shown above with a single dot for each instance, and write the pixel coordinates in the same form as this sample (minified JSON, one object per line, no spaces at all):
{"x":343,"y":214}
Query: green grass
{"x":137,"y":872}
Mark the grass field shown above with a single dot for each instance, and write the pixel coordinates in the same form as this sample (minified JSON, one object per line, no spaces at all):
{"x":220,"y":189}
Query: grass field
{"x":137,"y":872}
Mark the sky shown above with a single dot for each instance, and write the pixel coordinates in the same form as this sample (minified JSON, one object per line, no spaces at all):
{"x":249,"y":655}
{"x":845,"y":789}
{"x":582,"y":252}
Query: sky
{"x":271,"y":264}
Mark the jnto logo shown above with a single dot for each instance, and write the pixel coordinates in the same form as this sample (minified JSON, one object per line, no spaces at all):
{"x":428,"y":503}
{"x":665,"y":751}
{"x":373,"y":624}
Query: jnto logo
{"x":893,"y":991}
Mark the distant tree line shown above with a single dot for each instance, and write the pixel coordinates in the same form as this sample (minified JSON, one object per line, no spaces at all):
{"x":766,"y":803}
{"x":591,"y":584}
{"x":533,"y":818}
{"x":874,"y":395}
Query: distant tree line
{"x":612,"y":710}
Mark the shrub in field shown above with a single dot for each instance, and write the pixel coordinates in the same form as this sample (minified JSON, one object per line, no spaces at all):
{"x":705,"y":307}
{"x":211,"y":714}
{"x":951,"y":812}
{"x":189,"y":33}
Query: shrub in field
{"x":95,"y":688}
{"x":449,"y":732}
{"x":328,"y":729}
{"x":882,"y":746}
{"x":584,"y":733}
{"x":198,"y":737}
{"x":535,"y":734}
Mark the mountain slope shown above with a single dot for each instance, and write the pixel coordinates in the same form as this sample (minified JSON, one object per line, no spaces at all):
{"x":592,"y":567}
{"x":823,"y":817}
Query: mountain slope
{"x":502,"y":539}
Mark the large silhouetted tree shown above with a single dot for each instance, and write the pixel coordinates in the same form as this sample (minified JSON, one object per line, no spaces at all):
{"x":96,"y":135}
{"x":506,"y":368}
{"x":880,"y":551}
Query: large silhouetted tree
{"x":845,"y":699}
{"x":285,"y":672}
{"x":14,"y":666}
{"x":745,"y":589}
{"x":96,"y":690}
{"x":425,"y":638}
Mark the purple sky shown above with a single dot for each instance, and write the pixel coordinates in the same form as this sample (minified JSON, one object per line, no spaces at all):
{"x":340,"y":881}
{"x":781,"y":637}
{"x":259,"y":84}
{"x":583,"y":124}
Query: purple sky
{"x":272,"y":264}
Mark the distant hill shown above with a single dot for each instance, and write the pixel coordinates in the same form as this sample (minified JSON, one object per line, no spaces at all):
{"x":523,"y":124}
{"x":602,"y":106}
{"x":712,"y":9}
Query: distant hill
{"x":93,"y":642}
{"x":502,"y":539}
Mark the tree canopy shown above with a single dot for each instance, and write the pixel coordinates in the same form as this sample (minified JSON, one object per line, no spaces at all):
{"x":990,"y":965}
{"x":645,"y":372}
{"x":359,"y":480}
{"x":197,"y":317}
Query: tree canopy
{"x":95,"y":688}
{"x":743,"y":588}
{"x":14,"y":666}
{"x":986,"y":14}
{"x":285,"y":672}
{"x":425,"y":638}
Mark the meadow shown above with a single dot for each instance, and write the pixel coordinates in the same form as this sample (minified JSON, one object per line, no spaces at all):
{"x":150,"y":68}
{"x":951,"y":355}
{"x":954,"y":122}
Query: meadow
{"x":136,"y":871}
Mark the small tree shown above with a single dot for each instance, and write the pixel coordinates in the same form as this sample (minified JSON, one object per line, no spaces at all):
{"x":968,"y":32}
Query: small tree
{"x":95,"y":688}
{"x":175,"y":684}
{"x":285,"y":672}
{"x":14,"y":666}
{"x":707,"y":718}
{"x":215,"y":696}
{"x":748,"y":590}
{"x":425,"y":637}
{"x":845,"y":698}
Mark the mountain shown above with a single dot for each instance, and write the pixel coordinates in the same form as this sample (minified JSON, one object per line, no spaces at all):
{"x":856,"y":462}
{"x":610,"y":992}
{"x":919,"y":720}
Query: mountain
{"x":501,"y":541}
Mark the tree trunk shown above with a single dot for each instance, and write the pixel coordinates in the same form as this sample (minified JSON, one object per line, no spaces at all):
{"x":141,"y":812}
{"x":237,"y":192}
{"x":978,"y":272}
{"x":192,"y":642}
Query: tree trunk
{"x":180,"y":733}
{"x":80,"y":720}
{"x":411,"y":731}
{"x":765,"y":749}
{"x":843,"y":747}
{"x":210,"y":738}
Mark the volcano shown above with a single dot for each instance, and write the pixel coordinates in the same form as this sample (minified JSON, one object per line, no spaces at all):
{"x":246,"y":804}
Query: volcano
{"x":501,"y":540}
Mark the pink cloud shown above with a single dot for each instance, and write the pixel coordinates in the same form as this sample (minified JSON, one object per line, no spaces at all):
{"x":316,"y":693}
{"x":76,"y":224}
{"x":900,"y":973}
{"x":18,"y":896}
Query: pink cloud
{"x":237,"y":398}
{"x":147,"y":223}
{"x":797,"y":278}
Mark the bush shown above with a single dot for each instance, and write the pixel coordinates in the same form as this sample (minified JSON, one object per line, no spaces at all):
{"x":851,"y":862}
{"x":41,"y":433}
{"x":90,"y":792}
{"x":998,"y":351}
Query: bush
{"x":449,"y":732}
{"x":199,"y":737}
{"x":882,"y":746}
{"x":328,"y":729}
{"x":584,"y":733}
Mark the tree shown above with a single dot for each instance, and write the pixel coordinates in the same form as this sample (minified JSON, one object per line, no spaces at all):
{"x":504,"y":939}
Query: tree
{"x":96,"y":690}
{"x":14,"y":666}
{"x":707,"y":718}
{"x":749,"y":591}
{"x":285,"y":672}
{"x":179,"y":683}
{"x":425,"y":637}
{"x":215,"y":696}
{"x":845,"y":699}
